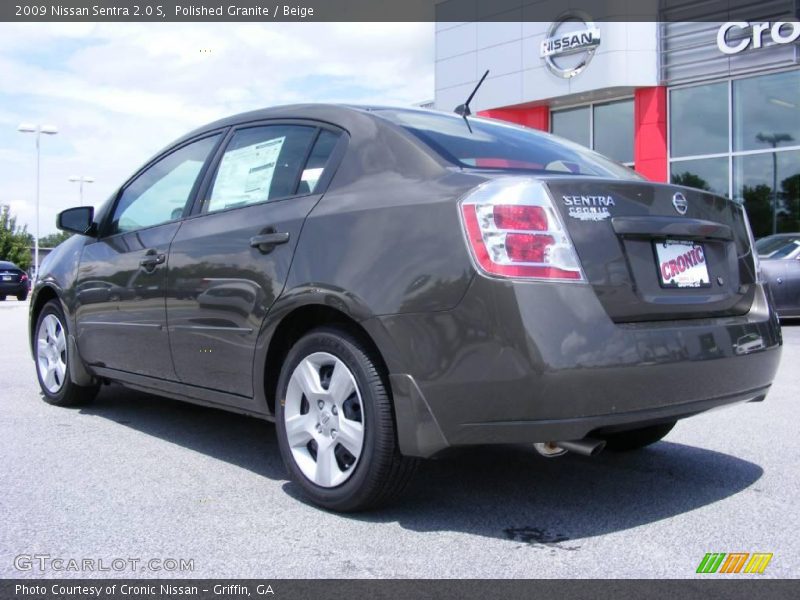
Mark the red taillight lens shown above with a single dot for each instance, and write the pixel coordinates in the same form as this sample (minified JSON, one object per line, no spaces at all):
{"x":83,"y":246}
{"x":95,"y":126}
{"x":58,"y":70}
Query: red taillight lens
{"x":23,"y":278}
{"x":520,"y":217}
{"x":522,"y":247}
{"x":513,"y":231}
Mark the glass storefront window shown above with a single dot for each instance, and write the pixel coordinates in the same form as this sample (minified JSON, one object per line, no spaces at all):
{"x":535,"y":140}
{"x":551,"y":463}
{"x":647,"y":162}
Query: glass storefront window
{"x":756,"y":176}
{"x":606,"y":128}
{"x":710,"y":174}
{"x":572,"y":124}
{"x":613,"y":130}
{"x":699,"y":120}
{"x":766,"y":111}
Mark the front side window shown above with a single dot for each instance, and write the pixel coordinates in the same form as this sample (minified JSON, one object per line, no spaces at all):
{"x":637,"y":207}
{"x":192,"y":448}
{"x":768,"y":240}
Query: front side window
{"x":260,"y":164}
{"x":160,"y":193}
{"x":497,"y":145}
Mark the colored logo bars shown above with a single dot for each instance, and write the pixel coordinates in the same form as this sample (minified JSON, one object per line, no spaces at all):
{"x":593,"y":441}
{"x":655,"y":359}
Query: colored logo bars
{"x":735,"y":562}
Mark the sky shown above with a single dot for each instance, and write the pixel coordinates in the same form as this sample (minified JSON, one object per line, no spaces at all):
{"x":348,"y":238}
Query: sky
{"x":118,"y":93}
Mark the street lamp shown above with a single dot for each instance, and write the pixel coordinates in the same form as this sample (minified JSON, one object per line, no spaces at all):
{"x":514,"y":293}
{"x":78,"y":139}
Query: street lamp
{"x":80,"y":181}
{"x":774,"y":139}
{"x":38,"y":130}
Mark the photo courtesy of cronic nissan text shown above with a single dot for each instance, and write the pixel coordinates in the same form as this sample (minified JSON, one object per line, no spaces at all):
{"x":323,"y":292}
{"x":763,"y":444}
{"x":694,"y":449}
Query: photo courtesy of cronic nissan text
{"x":423,"y":299}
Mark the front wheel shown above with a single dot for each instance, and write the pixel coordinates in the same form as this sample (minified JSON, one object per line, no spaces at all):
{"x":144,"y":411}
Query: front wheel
{"x":625,"y":441}
{"x":335,"y":423}
{"x":52,"y":360}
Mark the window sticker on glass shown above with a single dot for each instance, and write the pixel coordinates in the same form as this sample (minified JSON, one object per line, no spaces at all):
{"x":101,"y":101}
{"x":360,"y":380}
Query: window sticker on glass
{"x":245,"y":175}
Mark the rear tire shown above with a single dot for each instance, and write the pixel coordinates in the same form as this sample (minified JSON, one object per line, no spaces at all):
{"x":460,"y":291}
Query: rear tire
{"x":22,"y":297}
{"x":635,"y":439}
{"x":52,"y":360}
{"x":335,"y":423}
{"x":2,"y":298}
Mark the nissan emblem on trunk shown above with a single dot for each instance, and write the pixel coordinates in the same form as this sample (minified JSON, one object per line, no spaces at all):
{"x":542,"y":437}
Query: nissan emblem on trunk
{"x":570,"y":44}
{"x":680,"y":203}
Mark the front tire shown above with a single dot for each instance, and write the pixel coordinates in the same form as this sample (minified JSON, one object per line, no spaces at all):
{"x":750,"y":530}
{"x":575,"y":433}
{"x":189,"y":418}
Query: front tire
{"x":635,"y":439}
{"x":52,"y":366}
{"x":335,"y":423}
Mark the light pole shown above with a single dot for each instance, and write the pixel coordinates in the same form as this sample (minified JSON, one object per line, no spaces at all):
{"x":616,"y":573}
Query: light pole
{"x":38,"y":130}
{"x":80,"y":181}
{"x":774,"y":139}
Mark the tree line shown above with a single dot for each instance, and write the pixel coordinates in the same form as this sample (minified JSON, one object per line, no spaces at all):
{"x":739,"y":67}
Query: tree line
{"x":16,"y":241}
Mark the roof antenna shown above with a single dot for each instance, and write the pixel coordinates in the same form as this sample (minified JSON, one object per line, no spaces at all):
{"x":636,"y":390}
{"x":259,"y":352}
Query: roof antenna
{"x":463,"y":109}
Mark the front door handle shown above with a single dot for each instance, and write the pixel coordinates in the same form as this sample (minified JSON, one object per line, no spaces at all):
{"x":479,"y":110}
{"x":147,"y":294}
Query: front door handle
{"x":152,"y":259}
{"x":266,"y":241}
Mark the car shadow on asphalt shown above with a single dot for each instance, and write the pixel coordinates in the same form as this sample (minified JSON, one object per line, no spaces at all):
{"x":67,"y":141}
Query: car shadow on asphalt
{"x":501,"y":492}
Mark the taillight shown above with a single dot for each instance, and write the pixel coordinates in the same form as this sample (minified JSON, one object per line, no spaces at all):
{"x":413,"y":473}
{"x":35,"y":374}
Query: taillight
{"x":513,"y":230}
{"x":23,"y":278}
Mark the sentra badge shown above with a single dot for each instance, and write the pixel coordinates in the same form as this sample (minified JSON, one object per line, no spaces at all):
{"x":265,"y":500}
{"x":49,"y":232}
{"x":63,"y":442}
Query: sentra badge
{"x":589,"y":208}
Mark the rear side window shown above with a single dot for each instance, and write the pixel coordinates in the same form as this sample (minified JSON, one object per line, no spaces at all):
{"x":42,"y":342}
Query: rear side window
{"x":323,"y":148}
{"x":260,"y":164}
{"x":496,"y":145}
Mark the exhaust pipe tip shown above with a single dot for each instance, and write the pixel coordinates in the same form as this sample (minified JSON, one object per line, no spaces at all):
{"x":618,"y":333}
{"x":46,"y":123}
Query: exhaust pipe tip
{"x":584,"y":447}
{"x":549,"y":449}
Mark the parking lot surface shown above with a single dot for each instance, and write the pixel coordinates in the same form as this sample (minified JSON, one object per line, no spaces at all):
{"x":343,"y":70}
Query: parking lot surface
{"x":136,"y":476}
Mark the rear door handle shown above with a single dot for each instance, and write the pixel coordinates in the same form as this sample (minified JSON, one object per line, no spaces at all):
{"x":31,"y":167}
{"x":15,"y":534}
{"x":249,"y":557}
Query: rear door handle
{"x":152,"y":259}
{"x":265,"y":241}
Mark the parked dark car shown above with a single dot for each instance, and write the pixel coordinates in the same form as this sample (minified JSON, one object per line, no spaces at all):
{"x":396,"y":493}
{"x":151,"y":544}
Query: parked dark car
{"x":13,"y":281}
{"x":387,"y":283}
{"x":780,"y":261}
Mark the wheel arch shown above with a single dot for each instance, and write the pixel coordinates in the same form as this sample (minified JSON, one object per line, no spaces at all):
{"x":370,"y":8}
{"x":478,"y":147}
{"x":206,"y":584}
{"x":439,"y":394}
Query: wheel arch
{"x":43,"y":295}
{"x":293,"y":325}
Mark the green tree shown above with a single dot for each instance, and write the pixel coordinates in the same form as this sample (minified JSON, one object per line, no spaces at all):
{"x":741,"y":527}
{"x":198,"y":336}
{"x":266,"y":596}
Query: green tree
{"x":15,"y":242}
{"x":690,"y":179}
{"x":54,"y":239}
{"x":758,"y":202}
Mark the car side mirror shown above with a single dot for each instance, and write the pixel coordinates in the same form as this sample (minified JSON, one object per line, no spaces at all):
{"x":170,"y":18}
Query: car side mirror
{"x":77,"y":220}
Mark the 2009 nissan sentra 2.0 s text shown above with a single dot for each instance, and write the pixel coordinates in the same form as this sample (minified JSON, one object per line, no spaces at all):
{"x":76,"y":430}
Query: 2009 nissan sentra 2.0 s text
{"x":388,"y":283}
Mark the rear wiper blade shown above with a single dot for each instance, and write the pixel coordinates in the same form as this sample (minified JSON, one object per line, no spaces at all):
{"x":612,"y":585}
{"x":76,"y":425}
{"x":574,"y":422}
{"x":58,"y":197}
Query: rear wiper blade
{"x":463,"y":109}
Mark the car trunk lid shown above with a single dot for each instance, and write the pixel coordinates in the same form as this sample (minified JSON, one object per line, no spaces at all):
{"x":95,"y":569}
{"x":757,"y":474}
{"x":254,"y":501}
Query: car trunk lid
{"x":655,"y":251}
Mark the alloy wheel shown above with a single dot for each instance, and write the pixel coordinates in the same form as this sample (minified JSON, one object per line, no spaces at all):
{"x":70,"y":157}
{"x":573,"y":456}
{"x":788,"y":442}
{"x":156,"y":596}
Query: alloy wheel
{"x":51,"y":353}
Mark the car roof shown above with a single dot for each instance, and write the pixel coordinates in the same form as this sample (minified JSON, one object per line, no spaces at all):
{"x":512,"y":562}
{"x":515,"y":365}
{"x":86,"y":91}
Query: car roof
{"x":333,"y":113}
{"x":4,"y":264}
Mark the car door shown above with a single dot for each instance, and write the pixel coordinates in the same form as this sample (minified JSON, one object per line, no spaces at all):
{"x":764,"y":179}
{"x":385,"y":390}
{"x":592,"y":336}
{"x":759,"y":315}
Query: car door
{"x":120,"y":314}
{"x":229,"y":262}
{"x":792,"y":285}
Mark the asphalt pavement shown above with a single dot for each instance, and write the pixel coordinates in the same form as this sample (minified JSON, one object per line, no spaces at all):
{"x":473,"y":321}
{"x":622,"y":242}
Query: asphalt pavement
{"x":138,"y":477}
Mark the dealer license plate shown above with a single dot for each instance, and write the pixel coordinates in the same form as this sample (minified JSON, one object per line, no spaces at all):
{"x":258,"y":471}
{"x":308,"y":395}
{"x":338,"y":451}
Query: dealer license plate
{"x":681,"y":264}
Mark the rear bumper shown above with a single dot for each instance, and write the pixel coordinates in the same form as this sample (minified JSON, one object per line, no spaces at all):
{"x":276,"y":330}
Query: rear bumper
{"x":13,"y":289}
{"x":530,"y":362}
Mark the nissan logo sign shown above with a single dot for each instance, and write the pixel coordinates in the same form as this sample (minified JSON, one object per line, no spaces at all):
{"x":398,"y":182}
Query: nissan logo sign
{"x":680,"y":203}
{"x":733,"y":38}
{"x":570,"y":44}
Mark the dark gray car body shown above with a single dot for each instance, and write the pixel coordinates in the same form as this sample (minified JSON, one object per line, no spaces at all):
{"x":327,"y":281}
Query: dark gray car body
{"x":470,"y":359}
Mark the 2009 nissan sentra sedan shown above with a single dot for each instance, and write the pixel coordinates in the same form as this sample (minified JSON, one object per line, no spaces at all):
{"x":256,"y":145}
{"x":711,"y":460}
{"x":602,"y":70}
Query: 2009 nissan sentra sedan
{"x":388,"y":283}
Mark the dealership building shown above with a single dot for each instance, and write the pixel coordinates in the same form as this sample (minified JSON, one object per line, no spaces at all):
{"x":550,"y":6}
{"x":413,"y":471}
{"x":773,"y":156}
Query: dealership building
{"x":714,"y":105}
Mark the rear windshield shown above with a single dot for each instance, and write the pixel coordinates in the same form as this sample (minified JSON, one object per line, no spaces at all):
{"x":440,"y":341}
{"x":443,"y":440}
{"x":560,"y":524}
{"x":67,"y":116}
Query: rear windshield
{"x":498,"y":145}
